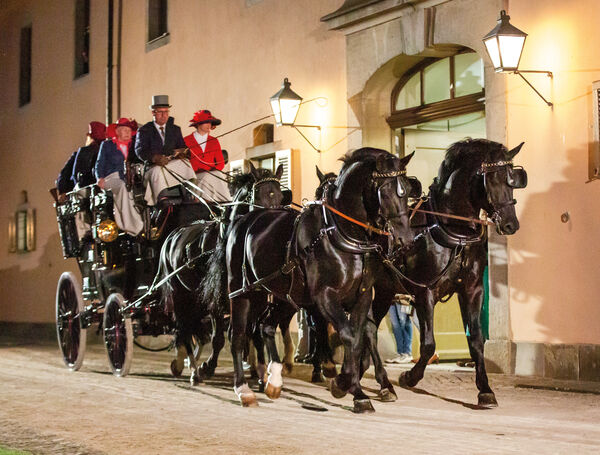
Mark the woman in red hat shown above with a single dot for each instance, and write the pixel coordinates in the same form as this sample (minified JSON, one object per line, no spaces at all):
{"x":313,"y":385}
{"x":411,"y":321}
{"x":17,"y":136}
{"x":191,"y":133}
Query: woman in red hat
{"x":207,"y":156}
{"x":110,"y":172}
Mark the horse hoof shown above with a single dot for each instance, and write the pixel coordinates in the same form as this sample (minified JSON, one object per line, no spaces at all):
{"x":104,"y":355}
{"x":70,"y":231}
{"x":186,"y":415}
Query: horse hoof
{"x":195,"y":379}
{"x":387,"y":395}
{"x":487,"y":400}
{"x":175,"y":370}
{"x":287,"y":368}
{"x":261,"y":386}
{"x":406,"y":379}
{"x":336,"y":391}
{"x":207,"y":371}
{"x":363,"y":406}
{"x":316,"y":377}
{"x":272,"y":392}
{"x":246,"y":396}
{"x":329,"y":372}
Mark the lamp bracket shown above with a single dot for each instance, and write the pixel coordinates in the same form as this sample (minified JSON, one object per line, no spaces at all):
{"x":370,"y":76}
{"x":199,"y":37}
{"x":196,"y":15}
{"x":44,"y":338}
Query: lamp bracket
{"x":305,"y":138}
{"x":548,"y":73}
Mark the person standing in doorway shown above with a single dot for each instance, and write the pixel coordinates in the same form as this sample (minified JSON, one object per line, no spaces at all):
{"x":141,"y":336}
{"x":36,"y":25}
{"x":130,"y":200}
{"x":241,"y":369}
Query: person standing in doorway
{"x":399,"y":313}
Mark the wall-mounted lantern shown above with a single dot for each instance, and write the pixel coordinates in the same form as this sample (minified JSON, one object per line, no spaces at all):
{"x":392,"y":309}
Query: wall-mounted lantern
{"x":504,"y":45}
{"x":21,"y":228}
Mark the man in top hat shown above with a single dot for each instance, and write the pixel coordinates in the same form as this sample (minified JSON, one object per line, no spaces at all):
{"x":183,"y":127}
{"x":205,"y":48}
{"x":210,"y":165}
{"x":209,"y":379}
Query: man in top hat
{"x":207,"y":157}
{"x":157,"y":143}
{"x":110,"y":172}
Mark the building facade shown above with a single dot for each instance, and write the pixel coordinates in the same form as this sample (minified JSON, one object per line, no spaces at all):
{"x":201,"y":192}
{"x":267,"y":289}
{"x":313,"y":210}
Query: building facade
{"x":377,"y":63}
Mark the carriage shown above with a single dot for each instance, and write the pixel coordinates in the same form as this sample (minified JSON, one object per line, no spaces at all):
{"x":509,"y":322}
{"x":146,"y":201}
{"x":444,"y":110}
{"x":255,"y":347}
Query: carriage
{"x":118,"y":272}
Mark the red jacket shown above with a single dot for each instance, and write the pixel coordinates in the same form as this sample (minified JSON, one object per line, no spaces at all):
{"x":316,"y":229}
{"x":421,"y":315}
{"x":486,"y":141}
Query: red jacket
{"x":209,"y":159}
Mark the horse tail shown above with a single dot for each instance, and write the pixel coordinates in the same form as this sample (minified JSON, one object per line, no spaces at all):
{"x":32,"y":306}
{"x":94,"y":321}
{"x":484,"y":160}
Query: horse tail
{"x":166,"y":289}
{"x":214,"y":283}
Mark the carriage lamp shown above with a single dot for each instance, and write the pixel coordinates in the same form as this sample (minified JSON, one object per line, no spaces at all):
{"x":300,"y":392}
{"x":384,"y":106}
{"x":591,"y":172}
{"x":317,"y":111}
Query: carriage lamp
{"x":107,"y":231}
{"x":504,"y":45}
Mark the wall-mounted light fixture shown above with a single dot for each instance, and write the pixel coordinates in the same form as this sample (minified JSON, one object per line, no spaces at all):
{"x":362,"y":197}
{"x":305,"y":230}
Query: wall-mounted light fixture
{"x":504,"y":45}
{"x":285,"y":105}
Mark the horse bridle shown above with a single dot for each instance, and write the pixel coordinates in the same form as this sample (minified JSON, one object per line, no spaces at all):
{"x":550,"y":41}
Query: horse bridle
{"x":487,"y":168}
{"x":401,"y":191}
{"x":257,"y":184}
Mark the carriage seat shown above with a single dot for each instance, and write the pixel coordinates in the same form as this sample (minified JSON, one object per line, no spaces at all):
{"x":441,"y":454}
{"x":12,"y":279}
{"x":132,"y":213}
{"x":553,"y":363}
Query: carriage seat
{"x":174,"y":195}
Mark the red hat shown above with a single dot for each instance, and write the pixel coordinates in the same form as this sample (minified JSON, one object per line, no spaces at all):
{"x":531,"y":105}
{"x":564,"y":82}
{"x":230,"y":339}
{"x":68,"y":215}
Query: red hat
{"x":111,"y":131}
{"x":130,"y":123}
{"x":204,"y":116}
{"x":97,"y":131}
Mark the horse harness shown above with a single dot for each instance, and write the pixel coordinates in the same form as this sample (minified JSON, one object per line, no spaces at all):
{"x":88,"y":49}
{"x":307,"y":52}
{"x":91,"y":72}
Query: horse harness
{"x":331,"y":230}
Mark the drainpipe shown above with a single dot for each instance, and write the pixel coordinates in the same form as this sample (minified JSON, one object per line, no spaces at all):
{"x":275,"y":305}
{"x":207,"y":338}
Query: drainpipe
{"x":119,"y":41}
{"x":109,"y":64}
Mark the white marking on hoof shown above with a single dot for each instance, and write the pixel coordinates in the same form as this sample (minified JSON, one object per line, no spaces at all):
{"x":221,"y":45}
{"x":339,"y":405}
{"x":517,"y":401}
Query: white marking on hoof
{"x":246,"y":396}
{"x":275,"y":378}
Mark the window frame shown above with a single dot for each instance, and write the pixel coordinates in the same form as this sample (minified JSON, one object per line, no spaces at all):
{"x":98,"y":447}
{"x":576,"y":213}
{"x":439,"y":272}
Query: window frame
{"x":25,"y":65}
{"x":154,"y":42}
{"x":82,"y":33}
{"x":423,"y":113}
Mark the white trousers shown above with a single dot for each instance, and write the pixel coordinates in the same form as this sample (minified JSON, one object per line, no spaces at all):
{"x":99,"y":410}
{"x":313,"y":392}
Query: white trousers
{"x":213,"y":188}
{"x":126,"y":216}
{"x":157,"y":178}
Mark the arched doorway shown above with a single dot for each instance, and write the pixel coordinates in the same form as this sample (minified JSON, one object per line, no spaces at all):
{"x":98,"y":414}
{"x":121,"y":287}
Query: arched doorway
{"x":435,"y":103}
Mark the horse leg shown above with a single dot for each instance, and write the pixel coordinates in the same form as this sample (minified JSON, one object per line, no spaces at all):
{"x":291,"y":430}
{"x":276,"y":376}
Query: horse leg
{"x":257,"y":359}
{"x":379,"y":309}
{"x":274,"y":382}
{"x":178,"y":363}
{"x":217,"y":341}
{"x":470,"y":308}
{"x":324,"y":357}
{"x":195,"y":377}
{"x":424,"y":304}
{"x":240,"y":306}
{"x":288,"y":344}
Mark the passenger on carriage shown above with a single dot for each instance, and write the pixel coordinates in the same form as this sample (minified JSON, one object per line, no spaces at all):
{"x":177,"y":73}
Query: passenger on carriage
{"x":110,"y":172}
{"x":160,"y":144}
{"x":78,"y":168}
{"x":207,"y":157}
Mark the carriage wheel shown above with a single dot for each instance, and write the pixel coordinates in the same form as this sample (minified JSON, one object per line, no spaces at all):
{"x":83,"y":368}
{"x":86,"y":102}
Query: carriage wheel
{"x":118,"y":336}
{"x":71,"y":336}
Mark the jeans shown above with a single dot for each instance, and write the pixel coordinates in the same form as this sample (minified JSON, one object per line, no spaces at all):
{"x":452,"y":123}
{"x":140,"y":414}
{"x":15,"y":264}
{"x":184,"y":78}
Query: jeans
{"x":402,"y":328}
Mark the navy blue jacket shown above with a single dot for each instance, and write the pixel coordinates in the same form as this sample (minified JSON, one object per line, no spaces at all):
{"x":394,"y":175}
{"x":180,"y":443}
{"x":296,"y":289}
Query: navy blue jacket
{"x":83,"y":168}
{"x":110,"y":159}
{"x":64,"y":182}
{"x":148,"y":142}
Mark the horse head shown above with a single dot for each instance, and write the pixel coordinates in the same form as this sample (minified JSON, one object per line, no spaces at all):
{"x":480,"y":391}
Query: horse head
{"x":259,"y":187}
{"x":487,"y":169}
{"x":325,"y":180}
{"x":376,"y":187}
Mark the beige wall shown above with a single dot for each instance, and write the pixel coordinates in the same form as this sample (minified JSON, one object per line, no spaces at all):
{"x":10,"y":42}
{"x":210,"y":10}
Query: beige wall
{"x":36,"y":140}
{"x":553,"y":271}
{"x":222,"y":55}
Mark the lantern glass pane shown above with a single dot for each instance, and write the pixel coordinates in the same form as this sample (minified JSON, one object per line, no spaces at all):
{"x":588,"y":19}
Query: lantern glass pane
{"x":276,"y":111}
{"x":410,"y":94}
{"x":468,"y":74}
{"x":510,"y":49}
{"x":436,"y":79}
{"x":491,"y":45}
{"x":289,"y":109}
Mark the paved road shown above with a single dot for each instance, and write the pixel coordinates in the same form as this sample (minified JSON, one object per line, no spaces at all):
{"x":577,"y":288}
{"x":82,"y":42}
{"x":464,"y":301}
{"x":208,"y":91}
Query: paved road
{"x":48,"y":410}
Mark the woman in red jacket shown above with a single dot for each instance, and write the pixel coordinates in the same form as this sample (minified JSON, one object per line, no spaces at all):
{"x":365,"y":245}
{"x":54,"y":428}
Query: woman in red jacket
{"x":207,"y":157}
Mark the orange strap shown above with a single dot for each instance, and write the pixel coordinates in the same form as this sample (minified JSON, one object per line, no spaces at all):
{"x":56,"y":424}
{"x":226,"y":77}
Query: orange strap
{"x":352,"y":220}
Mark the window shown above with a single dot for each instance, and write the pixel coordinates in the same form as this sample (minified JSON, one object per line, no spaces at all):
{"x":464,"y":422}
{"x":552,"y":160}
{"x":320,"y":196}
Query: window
{"x":82,"y":37}
{"x":25,"y":67}
{"x":437,"y":89}
{"x":158,"y":33}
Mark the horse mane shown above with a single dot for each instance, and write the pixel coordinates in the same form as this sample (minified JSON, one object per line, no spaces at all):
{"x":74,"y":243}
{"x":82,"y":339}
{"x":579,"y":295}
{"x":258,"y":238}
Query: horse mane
{"x":469,"y":153}
{"x":367,"y":155}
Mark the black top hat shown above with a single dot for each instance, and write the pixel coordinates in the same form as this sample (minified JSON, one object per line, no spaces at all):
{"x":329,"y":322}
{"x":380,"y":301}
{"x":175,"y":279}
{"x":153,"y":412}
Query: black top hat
{"x":160,"y":101}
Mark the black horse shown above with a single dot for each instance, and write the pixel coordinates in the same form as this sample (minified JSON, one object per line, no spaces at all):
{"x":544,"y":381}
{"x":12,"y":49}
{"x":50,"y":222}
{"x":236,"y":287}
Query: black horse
{"x":327,"y":258}
{"x":194,"y":245}
{"x":448,"y":255}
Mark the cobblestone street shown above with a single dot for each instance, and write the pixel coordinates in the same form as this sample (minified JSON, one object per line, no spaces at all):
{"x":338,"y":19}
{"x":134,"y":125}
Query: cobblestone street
{"x":46,"y":409}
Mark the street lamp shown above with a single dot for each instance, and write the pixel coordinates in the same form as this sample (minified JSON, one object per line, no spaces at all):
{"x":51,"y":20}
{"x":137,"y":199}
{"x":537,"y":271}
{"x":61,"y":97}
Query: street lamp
{"x":504,"y":45}
{"x":285,"y":104}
